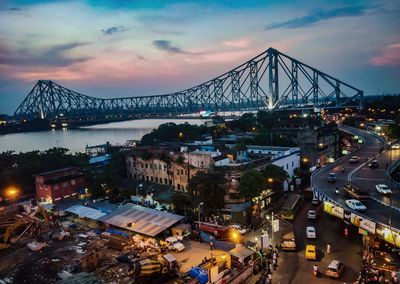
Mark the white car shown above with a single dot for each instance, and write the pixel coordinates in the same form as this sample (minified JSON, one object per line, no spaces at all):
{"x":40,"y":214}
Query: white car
{"x":395,"y":146}
{"x":383,"y":188}
{"x":239,"y":228}
{"x":312,"y":214}
{"x":173,"y":244}
{"x":355,"y":205}
{"x":311,"y":233}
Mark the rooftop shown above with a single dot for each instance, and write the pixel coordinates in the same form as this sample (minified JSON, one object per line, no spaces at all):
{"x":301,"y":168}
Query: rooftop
{"x":144,"y":220}
{"x":57,"y":171}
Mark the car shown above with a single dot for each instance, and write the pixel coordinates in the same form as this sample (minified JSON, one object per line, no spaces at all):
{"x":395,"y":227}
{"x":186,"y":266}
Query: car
{"x":311,"y":252}
{"x":354,"y":160}
{"x":373,"y":164}
{"x":315,"y":202}
{"x":242,"y":230}
{"x":172,"y":243}
{"x":383,"y":188}
{"x":355,"y":205}
{"x":395,"y":146}
{"x":311,"y":233}
{"x":335,"y":268}
{"x":331,"y":177}
{"x":311,"y":214}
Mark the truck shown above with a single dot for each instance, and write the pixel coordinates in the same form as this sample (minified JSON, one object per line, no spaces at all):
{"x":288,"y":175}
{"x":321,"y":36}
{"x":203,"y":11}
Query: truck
{"x":173,"y":244}
{"x":288,"y":242}
{"x":355,"y":192}
{"x":154,"y":266}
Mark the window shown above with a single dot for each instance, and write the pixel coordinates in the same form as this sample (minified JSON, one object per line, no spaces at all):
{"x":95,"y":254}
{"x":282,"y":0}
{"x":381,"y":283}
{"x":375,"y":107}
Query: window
{"x":287,"y":166}
{"x":165,"y":181}
{"x":181,"y":172}
{"x":73,"y":182}
{"x":151,"y":178}
{"x":179,"y":186}
{"x":177,"y":172}
{"x":146,"y":165}
{"x":156,"y":179}
{"x":292,"y":163}
{"x":159,"y":167}
{"x":160,"y":180}
{"x":170,"y":181}
{"x":147,"y":178}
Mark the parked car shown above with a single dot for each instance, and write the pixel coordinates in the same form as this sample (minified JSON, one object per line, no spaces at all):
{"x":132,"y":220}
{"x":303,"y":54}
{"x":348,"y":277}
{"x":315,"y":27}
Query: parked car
{"x":172,"y":244}
{"x":373,"y":164}
{"x":383,"y":188}
{"x":311,"y":252}
{"x":335,"y":268}
{"x":331,"y":177}
{"x":311,"y":233}
{"x":354,"y":160}
{"x":312,"y":214}
{"x":355,"y":205}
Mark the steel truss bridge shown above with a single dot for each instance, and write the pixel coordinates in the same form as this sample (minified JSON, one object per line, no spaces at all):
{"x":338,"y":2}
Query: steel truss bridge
{"x":271,"y":81}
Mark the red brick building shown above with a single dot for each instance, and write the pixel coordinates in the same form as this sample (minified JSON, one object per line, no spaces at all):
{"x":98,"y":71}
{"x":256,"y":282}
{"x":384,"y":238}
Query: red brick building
{"x":57,"y":185}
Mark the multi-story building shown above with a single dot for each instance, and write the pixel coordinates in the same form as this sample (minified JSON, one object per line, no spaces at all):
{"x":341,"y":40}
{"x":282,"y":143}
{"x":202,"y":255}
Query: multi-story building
{"x":58,"y":185}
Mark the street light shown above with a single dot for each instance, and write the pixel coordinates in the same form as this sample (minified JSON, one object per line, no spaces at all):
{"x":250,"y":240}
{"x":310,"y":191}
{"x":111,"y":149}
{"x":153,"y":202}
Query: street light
{"x":200,"y":204}
{"x":137,"y":195}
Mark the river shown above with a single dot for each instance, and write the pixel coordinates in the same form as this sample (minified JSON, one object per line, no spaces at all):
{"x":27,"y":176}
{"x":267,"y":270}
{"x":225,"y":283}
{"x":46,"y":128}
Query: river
{"x":77,"y":139}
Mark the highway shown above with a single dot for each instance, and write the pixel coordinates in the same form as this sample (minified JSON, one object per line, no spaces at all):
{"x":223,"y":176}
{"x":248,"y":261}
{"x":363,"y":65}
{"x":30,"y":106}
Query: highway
{"x":364,"y":177}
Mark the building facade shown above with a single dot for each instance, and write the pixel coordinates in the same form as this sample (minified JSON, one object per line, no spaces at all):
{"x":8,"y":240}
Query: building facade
{"x":58,"y":185}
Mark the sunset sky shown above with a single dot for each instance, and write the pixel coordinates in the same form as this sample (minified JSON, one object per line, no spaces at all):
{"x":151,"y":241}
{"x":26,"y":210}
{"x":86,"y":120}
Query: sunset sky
{"x":134,"y":48}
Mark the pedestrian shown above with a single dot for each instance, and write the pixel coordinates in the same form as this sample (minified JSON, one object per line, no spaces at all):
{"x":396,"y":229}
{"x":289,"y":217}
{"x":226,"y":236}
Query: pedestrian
{"x":211,"y":245}
{"x":270,"y":277}
{"x":275,"y":261}
{"x":328,"y":248}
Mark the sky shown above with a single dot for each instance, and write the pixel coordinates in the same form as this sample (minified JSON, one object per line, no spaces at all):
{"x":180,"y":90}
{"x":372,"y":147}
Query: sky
{"x":133,"y":48}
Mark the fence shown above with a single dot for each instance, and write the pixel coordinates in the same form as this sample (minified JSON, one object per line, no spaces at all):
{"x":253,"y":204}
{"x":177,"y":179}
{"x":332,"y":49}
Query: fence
{"x":390,"y":171}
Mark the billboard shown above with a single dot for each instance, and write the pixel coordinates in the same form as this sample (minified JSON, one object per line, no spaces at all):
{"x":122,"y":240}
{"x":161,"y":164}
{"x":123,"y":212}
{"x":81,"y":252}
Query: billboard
{"x":333,"y":209}
{"x":363,"y":223}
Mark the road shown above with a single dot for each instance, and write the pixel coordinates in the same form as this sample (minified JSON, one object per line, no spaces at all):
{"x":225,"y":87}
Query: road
{"x":365,"y":177}
{"x":294,"y":268}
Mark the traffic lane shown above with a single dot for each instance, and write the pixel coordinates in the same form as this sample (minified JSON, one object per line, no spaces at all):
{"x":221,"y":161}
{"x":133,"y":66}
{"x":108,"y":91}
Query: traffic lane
{"x":375,"y":210}
{"x":345,"y":250}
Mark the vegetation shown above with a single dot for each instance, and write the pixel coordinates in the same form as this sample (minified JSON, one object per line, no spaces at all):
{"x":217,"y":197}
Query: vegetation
{"x":175,"y":132}
{"x":208,"y":187}
{"x":18,"y":169}
{"x":275,"y":177}
{"x":252,"y":183}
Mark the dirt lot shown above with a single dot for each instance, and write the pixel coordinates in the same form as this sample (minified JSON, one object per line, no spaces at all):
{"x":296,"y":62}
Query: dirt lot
{"x":194,"y":253}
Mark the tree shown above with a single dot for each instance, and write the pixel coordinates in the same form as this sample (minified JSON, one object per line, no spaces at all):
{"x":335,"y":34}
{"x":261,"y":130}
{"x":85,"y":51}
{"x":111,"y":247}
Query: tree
{"x":181,"y":203}
{"x":275,"y":177}
{"x":252,"y":183}
{"x":209,"y":188}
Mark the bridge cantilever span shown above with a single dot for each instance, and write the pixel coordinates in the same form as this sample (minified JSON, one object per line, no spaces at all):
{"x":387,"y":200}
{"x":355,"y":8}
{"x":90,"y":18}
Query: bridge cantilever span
{"x":271,"y":80}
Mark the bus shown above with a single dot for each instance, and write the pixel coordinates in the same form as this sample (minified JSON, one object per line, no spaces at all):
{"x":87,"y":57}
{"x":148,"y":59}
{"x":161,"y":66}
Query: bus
{"x":291,"y":207}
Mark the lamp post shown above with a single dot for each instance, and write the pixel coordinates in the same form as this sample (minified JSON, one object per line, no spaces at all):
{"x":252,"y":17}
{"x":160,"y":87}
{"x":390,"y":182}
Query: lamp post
{"x":12,"y":192}
{"x":137,"y":195}
{"x":198,"y":209}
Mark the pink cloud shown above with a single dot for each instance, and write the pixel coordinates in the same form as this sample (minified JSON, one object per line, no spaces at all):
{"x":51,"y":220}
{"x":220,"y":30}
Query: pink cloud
{"x":237,"y":43}
{"x":390,"y":56}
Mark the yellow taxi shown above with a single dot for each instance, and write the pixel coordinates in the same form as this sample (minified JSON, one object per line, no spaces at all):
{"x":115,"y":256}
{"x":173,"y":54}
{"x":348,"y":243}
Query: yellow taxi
{"x":311,"y":252}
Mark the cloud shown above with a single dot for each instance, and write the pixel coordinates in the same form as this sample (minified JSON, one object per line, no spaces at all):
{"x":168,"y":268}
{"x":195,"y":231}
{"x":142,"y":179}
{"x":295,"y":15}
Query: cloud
{"x":318,"y":16}
{"x":390,"y":56}
{"x":52,"y":56}
{"x":166,"y":45}
{"x":113,"y":30}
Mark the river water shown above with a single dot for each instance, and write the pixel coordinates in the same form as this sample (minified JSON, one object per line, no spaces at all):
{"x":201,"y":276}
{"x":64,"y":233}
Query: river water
{"x":77,"y":139}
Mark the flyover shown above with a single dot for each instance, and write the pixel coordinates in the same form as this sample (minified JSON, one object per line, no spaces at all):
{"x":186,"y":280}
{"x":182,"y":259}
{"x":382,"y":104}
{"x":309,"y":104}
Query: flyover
{"x":380,"y":218}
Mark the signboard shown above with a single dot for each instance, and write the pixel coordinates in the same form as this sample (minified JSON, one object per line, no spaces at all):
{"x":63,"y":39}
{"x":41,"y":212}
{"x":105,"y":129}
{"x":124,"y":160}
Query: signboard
{"x":292,"y":187}
{"x":333,"y":209}
{"x":265,"y":241}
{"x":363,"y":223}
{"x":362,"y":232}
{"x":285,"y":186}
{"x":275,"y":225}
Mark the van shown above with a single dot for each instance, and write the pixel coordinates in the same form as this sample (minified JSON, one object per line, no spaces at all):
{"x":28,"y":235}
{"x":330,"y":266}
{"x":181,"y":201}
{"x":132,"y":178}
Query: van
{"x":335,"y":268}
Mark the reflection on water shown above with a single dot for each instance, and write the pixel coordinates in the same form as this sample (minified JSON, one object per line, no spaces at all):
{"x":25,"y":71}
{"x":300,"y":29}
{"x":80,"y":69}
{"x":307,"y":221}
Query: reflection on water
{"x":77,"y":139}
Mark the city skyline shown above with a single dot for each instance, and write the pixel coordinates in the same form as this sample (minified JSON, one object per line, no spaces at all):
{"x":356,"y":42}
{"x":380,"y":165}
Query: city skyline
{"x":140,"y":48}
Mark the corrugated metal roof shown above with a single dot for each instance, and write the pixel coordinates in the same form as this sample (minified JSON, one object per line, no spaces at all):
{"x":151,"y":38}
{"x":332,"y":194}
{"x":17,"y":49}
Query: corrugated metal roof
{"x":144,"y":220}
{"x":84,"y":211}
